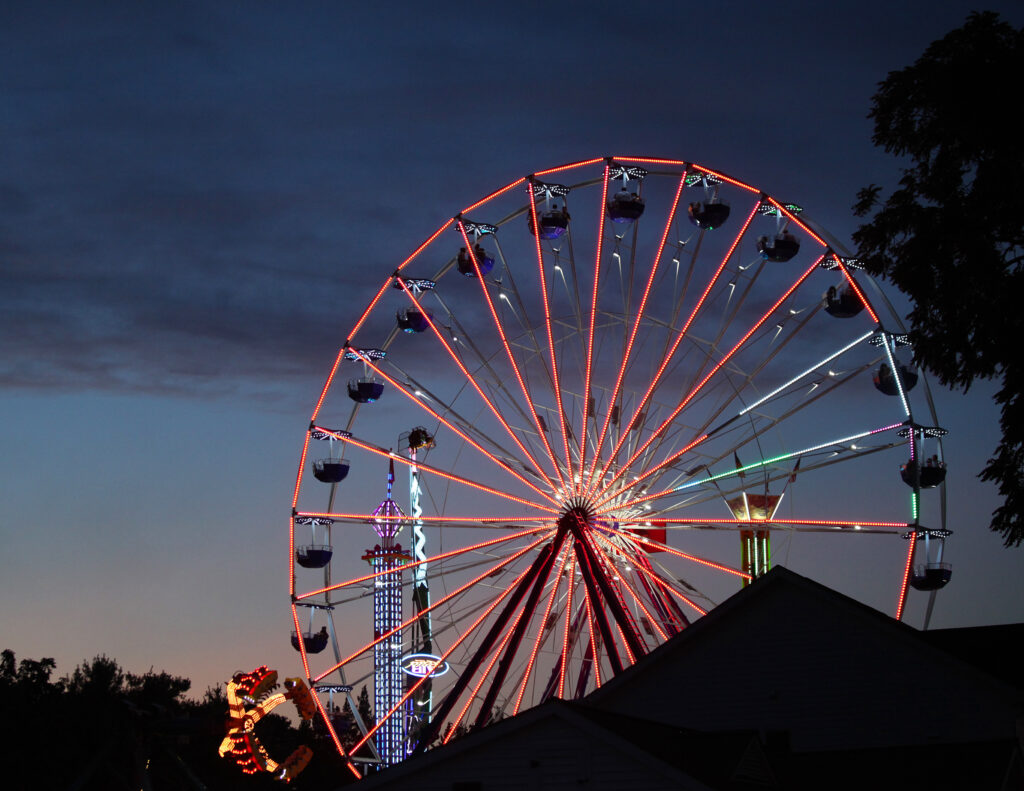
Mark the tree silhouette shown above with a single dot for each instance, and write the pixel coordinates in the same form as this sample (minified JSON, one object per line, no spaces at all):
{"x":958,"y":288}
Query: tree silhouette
{"x":101,"y":727}
{"x":952,"y":236}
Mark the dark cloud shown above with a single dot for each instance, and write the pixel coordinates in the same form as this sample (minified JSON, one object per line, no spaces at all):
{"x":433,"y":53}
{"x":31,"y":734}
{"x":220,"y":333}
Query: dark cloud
{"x":199,"y":196}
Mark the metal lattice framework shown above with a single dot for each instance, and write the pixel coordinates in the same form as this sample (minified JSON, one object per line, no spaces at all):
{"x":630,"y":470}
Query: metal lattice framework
{"x":647,"y":381}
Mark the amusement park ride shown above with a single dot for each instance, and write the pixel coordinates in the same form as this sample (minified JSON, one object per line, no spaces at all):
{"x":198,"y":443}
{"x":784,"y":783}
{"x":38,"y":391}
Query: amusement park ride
{"x":617,"y":395}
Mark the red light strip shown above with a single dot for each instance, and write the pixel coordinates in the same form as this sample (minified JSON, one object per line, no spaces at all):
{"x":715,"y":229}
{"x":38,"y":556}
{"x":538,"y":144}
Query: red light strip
{"x":590,"y":334}
{"x":661,"y":465}
{"x":334,"y":369}
{"x":432,"y":559}
{"x":697,"y":520}
{"x":508,"y":350}
{"x":554,"y":369}
{"x":551,"y":351}
{"x":649,"y":160}
{"x":302,"y":642}
{"x":473,"y":382}
{"x":682,"y":404}
{"x":856,"y":288}
{"x":565,"y":634}
{"x":483,"y":678}
{"x":793,"y":218}
{"x":433,"y":413}
{"x":445,"y":599}
{"x":482,"y":520}
{"x":415,"y":253}
{"x":433,"y":470}
{"x":906,"y":578}
{"x":334,"y":735}
{"x":494,"y":195}
{"x":724,"y":177}
{"x":540,"y":633}
{"x":625,"y":644}
{"x":655,"y":578}
{"x":666,"y":548}
{"x":554,"y":381}
{"x":570,"y":166}
{"x":302,"y":466}
{"x":596,"y":658}
{"x":636,"y":328}
{"x":632,"y":591}
{"x":675,"y":345}
{"x":412,"y":690}
{"x":613,"y":595}
{"x":291,"y":556}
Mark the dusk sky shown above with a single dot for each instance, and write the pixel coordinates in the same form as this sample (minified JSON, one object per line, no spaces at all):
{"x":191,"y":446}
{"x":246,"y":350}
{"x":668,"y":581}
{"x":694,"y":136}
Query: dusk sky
{"x":198,"y":199}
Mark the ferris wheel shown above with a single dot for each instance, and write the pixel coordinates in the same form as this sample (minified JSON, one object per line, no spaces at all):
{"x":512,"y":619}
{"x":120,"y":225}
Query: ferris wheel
{"x":589,"y":407}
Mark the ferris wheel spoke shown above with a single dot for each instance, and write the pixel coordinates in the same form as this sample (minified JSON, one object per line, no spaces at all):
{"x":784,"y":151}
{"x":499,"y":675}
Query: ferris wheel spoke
{"x":596,"y":610}
{"x":465,"y":340}
{"x":516,"y":633}
{"x":855,"y":286}
{"x":553,"y":371}
{"x":674,"y":623}
{"x":514,"y":594}
{"x":454,"y":727}
{"x":766,"y":425}
{"x":735,"y":393}
{"x":590,"y":335}
{"x":594,"y":571}
{"x":475,"y":522}
{"x":906,"y":578}
{"x":740,"y":472}
{"x":657,"y":580}
{"x":718,"y":366}
{"x":792,"y":381}
{"x":431,"y":559}
{"x":757,"y":465}
{"x":566,"y":630}
{"x":472,"y":381}
{"x":442,"y":601}
{"x":469,"y":426}
{"x":522,"y":313}
{"x":679,"y":336}
{"x":511,"y":357}
{"x":635,"y":328}
{"x":423,"y":467}
{"x":398,"y":707}
{"x":647,"y":542}
{"x":610,"y":564}
{"x":463,"y":435}
{"x":674,"y":619}
{"x":542,"y":632}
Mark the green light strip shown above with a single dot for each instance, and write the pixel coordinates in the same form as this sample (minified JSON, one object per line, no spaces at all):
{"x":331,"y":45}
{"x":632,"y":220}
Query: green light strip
{"x":784,"y":456}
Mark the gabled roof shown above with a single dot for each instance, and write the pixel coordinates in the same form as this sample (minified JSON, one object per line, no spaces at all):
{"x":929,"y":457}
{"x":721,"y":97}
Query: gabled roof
{"x":663,"y":759}
{"x":759,"y":594}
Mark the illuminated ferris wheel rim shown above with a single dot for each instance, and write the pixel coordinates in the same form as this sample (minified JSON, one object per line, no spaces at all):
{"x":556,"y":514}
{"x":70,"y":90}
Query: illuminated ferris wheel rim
{"x":566,"y":490}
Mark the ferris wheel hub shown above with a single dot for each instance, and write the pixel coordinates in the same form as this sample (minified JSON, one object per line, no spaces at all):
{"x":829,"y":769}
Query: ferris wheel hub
{"x":577,"y":511}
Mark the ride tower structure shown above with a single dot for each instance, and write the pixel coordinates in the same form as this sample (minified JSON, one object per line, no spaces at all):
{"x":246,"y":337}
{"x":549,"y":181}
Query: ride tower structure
{"x":417,"y":442}
{"x":387,"y":559}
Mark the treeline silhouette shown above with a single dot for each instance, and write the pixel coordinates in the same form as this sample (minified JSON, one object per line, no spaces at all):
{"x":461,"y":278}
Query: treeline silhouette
{"x":102,"y":728}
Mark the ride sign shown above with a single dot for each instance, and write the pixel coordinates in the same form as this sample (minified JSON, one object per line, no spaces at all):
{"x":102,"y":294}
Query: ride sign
{"x":420,"y":665}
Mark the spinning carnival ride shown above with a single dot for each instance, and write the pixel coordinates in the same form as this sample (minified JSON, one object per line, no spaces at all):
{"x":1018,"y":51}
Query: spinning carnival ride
{"x":619,"y":399}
